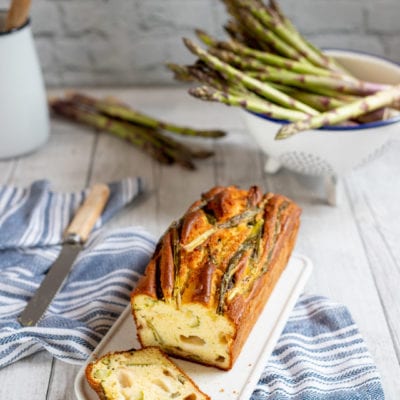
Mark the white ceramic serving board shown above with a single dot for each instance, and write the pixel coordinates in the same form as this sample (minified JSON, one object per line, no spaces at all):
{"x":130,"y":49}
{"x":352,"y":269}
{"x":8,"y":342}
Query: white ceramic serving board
{"x":239,"y":382}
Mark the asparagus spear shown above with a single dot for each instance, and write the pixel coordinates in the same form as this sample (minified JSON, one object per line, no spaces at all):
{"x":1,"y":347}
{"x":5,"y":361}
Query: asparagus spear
{"x":161,"y":147}
{"x":135,"y":135}
{"x":355,"y":87}
{"x":240,"y":62}
{"x":176,"y":290}
{"x":240,"y":34}
{"x":319,"y":102}
{"x":233,"y":30}
{"x":241,"y":50}
{"x":278,"y":61}
{"x":269,"y":37}
{"x":128,"y":114}
{"x":270,"y":21}
{"x":259,"y":37}
{"x":246,"y":247}
{"x":346,"y":98}
{"x":325,"y":103}
{"x":348,"y":111}
{"x":249,"y":103}
{"x":192,"y":73}
{"x":180,"y":148}
{"x":170,"y":144}
{"x":207,"y":39}
{"x":260,"y":88}
{"x":245,"y":216}
{"x":305,"y":47}
{"x":181,"y":72}
{"x":209,"y":78}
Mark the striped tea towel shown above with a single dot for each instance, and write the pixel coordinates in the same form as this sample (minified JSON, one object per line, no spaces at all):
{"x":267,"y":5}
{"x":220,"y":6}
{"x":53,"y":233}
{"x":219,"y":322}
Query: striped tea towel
{"x":32,"y":221}
{"x":320,"y":355}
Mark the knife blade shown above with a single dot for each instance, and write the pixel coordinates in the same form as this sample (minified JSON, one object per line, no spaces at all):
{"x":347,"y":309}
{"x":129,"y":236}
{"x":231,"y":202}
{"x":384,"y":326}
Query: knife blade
{"x":75,"y":236}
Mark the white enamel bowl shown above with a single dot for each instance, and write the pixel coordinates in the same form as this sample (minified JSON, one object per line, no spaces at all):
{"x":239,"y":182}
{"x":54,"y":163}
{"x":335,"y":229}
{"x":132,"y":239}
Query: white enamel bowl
{"x":331,"y":152}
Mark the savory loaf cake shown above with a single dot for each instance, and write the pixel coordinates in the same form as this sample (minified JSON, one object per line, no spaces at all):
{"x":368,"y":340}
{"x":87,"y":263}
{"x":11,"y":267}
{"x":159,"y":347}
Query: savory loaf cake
{"x":146,"y":374}
{"x":212,"y":273}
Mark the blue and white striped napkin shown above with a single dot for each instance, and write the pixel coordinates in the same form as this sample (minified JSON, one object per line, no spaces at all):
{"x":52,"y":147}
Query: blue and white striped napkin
{"x":32,"y":221}
{"x":320,"y":354}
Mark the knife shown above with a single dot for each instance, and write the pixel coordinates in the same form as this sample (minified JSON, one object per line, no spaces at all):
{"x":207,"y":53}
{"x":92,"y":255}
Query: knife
{"x":75,"y":236}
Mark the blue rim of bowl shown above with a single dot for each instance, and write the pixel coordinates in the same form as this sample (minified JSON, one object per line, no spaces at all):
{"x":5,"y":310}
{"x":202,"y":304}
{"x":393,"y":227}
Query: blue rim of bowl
{"x":367,"y":125}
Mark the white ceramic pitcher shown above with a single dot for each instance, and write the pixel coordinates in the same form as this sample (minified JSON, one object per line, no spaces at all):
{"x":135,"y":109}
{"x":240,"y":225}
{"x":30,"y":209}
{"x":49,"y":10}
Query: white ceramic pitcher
{"x":24,"y":117}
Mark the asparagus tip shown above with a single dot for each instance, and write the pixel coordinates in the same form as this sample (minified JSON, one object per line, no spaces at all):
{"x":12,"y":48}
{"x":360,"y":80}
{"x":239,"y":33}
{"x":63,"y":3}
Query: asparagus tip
{"x":283,"y":133}
{"x":189,"y":44}
{"x":205,"y":37}
{"x":217,"y":133}
{"x":51,"y":100}
{"x":180,"y":72}
{"x":202,"y":92}
{"x":71,"y":94}
{"x":201,"y":154}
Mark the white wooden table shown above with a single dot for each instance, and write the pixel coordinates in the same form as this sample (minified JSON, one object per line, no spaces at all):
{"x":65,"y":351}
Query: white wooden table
{"x":355,"y":247}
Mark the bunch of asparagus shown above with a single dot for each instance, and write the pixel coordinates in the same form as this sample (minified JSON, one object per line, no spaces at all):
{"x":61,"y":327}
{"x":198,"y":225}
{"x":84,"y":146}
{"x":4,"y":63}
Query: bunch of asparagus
{"x":141,"y":130}
{"x":269,"y":68}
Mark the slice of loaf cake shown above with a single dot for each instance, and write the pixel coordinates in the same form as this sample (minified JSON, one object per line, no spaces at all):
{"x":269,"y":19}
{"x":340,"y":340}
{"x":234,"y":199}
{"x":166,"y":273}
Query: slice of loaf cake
{"x":146,"y":374}
{"x":212,"y":273}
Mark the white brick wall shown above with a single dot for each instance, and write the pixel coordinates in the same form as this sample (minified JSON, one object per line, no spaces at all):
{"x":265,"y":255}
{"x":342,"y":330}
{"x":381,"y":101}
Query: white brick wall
{"x":90,"y":42}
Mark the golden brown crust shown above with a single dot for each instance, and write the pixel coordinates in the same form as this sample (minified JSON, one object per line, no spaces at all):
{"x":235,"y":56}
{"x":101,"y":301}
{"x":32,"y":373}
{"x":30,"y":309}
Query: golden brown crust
{"x":203,"y":291}
{"x":227,"y":253}
{"x":166,"y":266}
{"x":261,"y":290}
{"x":94,"y":384}
{"x":147,"y":283}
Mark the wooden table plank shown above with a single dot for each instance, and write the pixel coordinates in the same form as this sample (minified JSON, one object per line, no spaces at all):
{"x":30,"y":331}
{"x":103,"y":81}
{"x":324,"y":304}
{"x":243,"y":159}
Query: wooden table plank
{"x":239,"y":161}
{"x":115,"y":160}
{"x":27,"y":378}
{"x":64,"y":160}
{"x":61,"y":382}
{"x":177,"y":189}
{"x":374,"y":191}
{"x":6,"y":169}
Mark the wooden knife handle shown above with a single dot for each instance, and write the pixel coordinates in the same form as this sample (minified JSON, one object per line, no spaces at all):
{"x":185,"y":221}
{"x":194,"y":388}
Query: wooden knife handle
{"x":89,"y":212}
{"x":18,"y":14}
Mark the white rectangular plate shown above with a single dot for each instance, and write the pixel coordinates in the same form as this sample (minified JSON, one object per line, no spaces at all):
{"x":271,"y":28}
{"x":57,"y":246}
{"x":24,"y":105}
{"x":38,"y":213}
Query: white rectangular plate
{"x":240,"y":381}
